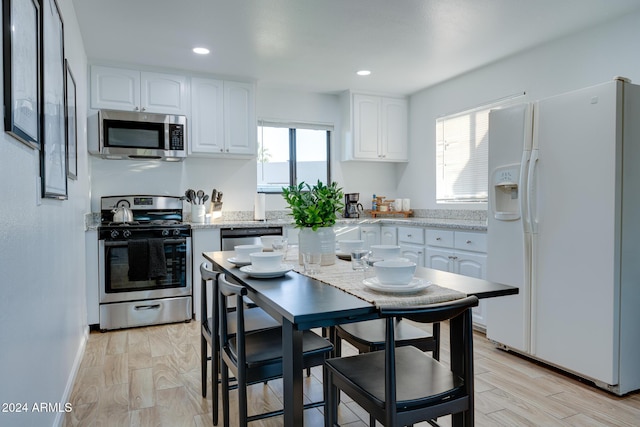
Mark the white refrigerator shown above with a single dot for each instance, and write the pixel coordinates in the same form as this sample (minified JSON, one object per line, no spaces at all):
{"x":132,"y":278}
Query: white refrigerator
{"x":564,"y":226}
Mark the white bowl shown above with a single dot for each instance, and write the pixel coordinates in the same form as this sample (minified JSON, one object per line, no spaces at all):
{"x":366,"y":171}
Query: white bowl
{"x":266,"y":261}
{"x":385,"y":251}
{"x":347,"y":246}
{"x":243,"y":251}
{"x":394,"y":272}
{"x":267,"y":241}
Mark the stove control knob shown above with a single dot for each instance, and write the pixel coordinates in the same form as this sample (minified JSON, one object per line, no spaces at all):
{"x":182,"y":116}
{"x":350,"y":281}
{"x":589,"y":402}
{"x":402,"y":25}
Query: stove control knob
{"x":176,"y":232}
{"x":114,"y":234}
{"x":126,"y":233}
{"x":165,"y":233}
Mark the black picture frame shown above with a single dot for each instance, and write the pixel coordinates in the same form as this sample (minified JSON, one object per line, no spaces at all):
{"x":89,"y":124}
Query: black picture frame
{"x":71,"y":123}
{"x":54,"y":148}
{"x":21,"y":69}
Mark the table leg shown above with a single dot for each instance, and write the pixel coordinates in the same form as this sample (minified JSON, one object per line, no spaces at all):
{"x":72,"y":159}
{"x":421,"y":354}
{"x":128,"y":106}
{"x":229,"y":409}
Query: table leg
{"x":292,"y":369}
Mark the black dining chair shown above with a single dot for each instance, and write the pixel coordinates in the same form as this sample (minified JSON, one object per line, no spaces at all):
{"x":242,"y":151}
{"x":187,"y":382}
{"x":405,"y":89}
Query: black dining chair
{"x":254,"y":319}
{"x":254,"y":357}
{"x":401,"y":386}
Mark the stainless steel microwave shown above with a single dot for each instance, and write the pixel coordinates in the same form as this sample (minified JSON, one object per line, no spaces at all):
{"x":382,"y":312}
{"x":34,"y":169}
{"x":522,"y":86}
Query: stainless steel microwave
{"x":139,"y":135}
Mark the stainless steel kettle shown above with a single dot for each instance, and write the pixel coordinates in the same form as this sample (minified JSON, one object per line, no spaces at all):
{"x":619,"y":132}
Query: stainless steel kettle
{"x":122,"y":214}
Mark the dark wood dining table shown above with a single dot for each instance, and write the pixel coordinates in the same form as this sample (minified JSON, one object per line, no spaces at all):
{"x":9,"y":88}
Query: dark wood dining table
{"x":300,"y":303}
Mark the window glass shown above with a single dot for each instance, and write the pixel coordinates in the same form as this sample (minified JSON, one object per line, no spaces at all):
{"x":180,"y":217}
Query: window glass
{"x":288,"y":155}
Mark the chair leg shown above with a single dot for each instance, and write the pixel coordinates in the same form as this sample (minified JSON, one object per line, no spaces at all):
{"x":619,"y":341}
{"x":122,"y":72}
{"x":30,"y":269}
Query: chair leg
{"x":225,"y":394}
{"x":203,"y":364}
{"x":331,"y":400}
{"x":242,"y":401}
{"x":215,"y":374}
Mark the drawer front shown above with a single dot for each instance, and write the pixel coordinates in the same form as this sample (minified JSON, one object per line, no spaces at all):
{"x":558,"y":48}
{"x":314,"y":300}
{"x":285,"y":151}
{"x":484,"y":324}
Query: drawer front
{"x":411,"y":235}
{"x":440,"y":238}
{"x":468,"y":241}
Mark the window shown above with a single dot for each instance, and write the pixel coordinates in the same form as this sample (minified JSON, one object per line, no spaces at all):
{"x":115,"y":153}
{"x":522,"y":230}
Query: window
{"x":291,"y":153}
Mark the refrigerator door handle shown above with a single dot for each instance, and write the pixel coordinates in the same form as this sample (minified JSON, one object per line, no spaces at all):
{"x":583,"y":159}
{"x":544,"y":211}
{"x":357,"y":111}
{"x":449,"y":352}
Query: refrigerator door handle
{"x":524,"y":197}
{"x":531,"y":193}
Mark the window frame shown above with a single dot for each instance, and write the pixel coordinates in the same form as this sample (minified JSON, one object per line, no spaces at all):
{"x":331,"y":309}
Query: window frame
{"x":439,"y":144}
{"x":293,"y":127}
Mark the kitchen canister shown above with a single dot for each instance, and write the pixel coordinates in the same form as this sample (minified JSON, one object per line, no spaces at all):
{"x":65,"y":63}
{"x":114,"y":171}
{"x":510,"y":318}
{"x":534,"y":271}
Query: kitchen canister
{"x":197,"y":214}
{"x":406,"y":205}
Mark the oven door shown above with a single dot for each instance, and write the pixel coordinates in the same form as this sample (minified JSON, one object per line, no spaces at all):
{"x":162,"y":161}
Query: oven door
{"x":115,"y":285}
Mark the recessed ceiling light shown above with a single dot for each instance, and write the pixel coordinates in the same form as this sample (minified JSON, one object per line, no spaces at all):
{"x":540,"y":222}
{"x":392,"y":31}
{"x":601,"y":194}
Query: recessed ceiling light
{"x":363,"y":72}
{"x":201,"y":50}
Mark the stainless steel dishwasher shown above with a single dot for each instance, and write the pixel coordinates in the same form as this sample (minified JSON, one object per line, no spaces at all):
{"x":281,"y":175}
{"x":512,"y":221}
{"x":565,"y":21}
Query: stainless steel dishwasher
{"x":230,"y":237}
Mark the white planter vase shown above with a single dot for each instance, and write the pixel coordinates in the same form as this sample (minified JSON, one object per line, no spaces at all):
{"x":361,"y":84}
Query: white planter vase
{"x":322,"y":241}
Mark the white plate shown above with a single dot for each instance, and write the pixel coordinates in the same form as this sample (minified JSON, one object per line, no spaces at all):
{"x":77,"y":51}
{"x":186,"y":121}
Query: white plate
{"x":415,"y":285}
{"x":265,"y":274}
{"x":234,"y":260}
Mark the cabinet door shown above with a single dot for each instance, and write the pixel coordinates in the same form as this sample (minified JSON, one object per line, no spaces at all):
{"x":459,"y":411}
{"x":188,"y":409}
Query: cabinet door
{"x":388,"y":235}
{"x":207,"y":132}
{"x":240,"y":127}
{"x":413,"y":253}
{"x":163,"y":93}
{"x":394,"y":143}
{"x":115,"y":88}
{"x":439,"y":259}
{"x":370,"y":234}
{"x":366,"y":127}
{"x":474,"y":265}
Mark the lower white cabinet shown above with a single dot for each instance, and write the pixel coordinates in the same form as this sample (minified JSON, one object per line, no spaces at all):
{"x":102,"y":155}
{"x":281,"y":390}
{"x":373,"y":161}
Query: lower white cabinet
{"x":370,"y":234}
{"x":461,"y":252}
{"x":411,"y":242}
{"x":388,"y":235}
{"x":347,"y":232}
{"x":202,"y":240}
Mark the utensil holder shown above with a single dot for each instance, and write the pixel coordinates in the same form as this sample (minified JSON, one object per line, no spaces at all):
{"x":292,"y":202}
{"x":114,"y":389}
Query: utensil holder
{"x":197,"y":214}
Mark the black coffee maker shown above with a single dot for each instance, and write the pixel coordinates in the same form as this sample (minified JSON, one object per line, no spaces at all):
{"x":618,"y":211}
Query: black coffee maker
{"x":352,"y":208}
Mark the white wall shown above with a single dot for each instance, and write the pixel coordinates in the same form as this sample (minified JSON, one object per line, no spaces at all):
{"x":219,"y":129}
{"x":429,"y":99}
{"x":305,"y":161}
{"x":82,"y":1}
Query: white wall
{"x":585,"y":59}
{"x":42,"y":266}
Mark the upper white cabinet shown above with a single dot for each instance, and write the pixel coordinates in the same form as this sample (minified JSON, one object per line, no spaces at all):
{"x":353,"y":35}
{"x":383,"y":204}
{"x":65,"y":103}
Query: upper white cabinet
{"x":223,"y":119}
{"x":376,"y":128}
{"x":133,"y":90}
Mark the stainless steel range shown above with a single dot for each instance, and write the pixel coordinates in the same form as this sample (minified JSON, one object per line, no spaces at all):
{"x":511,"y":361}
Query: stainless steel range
{"x":144,"y":263}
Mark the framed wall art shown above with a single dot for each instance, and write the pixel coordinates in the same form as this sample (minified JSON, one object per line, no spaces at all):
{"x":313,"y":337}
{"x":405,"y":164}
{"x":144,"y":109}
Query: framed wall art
{"x":21,"y":67}
{"x":54,"y":147}
{"x":71,"y":124}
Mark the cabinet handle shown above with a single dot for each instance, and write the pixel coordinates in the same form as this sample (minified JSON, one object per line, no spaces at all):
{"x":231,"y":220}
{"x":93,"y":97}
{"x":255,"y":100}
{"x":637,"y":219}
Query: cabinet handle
{"x":468,"y":242}
{"x":221,"y":150}
{"x":143,"y":109}
{"x":136,"y":109}
{"x":438,"y":238}
{"x":409,"y":236}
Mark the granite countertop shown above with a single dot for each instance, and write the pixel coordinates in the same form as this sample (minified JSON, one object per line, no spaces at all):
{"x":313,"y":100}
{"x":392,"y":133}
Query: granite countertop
{"x":449,"y":219}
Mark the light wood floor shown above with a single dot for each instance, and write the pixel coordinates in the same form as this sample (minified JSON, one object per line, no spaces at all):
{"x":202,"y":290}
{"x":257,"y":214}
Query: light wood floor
{"x":151,"y":377}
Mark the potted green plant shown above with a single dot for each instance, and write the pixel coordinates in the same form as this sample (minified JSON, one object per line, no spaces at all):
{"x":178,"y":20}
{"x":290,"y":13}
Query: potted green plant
{"x":314,"y":210}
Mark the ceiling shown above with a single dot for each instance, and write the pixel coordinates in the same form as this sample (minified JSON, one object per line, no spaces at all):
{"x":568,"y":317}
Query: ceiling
{"x":318,"y":45}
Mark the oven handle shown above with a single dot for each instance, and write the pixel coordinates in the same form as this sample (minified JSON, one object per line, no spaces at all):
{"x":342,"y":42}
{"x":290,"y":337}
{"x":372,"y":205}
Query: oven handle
{"x":147,"y":307}
{"x":124,"y":242}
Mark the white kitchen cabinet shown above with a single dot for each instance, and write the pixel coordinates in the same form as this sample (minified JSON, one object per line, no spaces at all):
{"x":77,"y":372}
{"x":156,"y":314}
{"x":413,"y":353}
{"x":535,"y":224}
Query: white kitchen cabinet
{"x":202,"y":240}
{"x":388,"y":235}
{"x":370,"y":234}
{"x":376,"y":128}
{"x":223,"y":119}
{"x":461,"y":252}
{"x":134,"y":90}
{"x":411,"y":242}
